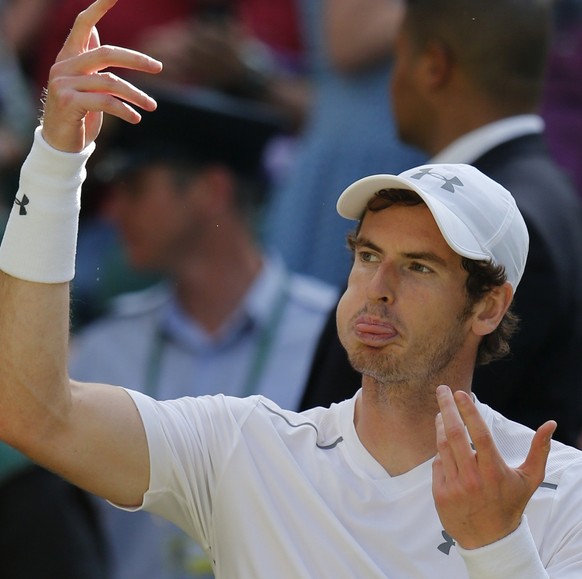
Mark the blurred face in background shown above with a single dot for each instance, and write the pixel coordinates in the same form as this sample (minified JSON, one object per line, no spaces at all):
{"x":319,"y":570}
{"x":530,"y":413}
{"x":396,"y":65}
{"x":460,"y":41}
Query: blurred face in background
{"x":160,"y":216}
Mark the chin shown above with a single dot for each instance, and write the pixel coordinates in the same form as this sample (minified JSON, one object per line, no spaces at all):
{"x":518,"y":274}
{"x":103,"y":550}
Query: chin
{"x":371,"y":363}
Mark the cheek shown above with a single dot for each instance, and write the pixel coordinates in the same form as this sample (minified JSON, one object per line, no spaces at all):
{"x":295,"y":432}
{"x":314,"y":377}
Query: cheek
{"x":341,"y":318}
{"x":347,"y":307}
{"x":341,"y":309}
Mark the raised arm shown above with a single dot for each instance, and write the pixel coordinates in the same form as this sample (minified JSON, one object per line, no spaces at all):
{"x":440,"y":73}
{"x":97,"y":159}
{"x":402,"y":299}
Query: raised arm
{"x":89,"y":434}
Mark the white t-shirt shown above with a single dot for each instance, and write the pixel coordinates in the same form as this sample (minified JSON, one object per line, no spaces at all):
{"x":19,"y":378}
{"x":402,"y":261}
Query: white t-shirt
{"x":274,"y":493}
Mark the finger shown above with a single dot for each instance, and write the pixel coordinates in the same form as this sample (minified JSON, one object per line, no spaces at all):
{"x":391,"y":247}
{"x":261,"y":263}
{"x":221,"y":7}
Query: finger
{"x":454,"y":427}
{"x":445,"y":460}
{"x":106,"y":90}
{"x":109,"y":83}
{"x":94,"y":40}
{"x":534,"y":466}
{"x":81,"y":34}
{"x":478,"y":430}
{"x":104,"y":57}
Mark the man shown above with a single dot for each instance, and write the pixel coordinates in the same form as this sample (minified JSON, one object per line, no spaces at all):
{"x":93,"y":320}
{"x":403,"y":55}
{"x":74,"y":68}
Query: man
{"x":465,"y":89}
{"x":186,"y":188}
{"x":339,"y":492}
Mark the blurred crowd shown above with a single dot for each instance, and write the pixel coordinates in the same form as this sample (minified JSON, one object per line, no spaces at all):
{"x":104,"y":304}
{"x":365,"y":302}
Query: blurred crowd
{"x":275,"y":107}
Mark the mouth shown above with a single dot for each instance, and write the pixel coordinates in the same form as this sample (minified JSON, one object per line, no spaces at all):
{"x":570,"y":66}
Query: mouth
{"x":374,"y":332}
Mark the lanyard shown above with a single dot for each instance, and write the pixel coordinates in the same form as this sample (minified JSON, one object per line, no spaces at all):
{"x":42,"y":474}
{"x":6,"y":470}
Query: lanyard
{"x":263,"y":347}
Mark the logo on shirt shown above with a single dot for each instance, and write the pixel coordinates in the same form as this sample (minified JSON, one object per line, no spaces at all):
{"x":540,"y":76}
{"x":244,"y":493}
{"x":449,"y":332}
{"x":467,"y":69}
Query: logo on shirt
{"x":449,"y":184}
{"x":447,"y":545}
{"x":22,"y":203}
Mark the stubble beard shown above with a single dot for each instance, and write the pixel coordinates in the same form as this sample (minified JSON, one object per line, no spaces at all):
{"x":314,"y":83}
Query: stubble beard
{"x":422,"y":366}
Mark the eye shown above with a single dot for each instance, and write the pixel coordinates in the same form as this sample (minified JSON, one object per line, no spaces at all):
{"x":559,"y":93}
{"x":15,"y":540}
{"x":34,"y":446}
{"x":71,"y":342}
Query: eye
{"x":367,"y":256}
{"x":420,"y":267}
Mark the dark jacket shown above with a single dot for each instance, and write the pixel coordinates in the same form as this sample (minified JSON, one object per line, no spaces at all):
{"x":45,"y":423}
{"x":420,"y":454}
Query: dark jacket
{"x":542,"y":377}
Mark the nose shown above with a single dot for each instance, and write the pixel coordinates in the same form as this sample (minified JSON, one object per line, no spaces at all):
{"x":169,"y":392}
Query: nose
{"x":383,"y":284}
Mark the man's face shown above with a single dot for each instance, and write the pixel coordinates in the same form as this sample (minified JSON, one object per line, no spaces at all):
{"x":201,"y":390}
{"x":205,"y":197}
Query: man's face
{"x":403,"y":316}
{"x":155,"y":218}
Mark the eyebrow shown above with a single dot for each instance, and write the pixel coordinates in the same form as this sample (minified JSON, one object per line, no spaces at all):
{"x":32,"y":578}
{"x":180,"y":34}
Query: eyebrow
{"x":429,"y":256}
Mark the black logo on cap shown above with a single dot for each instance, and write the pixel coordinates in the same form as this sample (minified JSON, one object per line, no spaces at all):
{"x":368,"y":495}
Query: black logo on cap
{"x":449,"y":184}
{"x":22,"y":203}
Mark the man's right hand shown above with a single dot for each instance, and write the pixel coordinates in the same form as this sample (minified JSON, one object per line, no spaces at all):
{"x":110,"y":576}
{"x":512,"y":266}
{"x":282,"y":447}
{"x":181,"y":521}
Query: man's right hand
{"x":79,"y":92}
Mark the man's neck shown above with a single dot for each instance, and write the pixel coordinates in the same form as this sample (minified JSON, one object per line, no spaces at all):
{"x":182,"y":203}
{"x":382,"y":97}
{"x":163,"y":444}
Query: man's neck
{"x":396,"y":424}
{"x":461,"y":109}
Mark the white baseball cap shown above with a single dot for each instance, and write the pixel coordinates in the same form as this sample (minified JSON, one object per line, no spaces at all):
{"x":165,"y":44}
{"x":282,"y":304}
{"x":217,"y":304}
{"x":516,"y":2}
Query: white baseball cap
{"x":478,"y":218}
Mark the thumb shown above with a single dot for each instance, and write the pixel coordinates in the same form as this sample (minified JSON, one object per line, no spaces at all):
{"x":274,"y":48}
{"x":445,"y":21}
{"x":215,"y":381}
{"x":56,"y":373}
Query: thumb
{"x":534,"y":466}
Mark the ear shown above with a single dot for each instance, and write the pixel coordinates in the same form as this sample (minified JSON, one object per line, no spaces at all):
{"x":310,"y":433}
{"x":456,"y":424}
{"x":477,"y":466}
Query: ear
{"x":438,"y":64}
{"x":491,"y":309}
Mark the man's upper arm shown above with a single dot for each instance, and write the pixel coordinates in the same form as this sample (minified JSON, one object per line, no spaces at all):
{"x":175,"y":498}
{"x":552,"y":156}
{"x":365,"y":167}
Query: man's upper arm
{"x":111,"y":456}
{"x":91,"y":435}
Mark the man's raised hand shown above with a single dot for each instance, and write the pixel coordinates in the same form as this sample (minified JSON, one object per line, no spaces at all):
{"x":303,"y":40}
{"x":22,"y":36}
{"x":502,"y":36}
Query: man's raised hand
{"x":79,"y":91}
{"x":479,"y":498}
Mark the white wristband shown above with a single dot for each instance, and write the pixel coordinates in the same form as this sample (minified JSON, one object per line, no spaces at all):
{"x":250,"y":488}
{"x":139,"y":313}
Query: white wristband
{"x":513,"y":557}
{"x":40,"y":240}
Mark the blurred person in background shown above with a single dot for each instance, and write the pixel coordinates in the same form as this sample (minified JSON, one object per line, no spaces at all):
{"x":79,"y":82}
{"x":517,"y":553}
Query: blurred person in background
{"x":186,"y":188}
{"x":248,"y":49}
{"x":464,"y":94}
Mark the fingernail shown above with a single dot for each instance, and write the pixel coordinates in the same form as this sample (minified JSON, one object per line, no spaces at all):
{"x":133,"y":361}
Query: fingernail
{"x":463,"y":398}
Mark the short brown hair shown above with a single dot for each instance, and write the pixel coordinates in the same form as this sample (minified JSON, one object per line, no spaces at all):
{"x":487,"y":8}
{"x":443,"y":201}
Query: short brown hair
{"x":502,"y":45}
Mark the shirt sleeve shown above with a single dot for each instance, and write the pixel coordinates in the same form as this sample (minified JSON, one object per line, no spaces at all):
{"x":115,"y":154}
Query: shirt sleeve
{"x":513,"y":557}
{"x":190,"y":441}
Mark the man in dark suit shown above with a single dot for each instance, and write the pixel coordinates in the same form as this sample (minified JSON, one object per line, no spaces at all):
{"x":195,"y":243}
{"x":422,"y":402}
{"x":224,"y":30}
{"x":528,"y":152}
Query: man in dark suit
{"x":466,"y":88}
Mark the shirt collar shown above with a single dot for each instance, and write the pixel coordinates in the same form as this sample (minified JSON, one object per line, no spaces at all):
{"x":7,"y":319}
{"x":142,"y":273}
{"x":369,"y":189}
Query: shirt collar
{"x":254,"y":312}
{"x":469,"y":147}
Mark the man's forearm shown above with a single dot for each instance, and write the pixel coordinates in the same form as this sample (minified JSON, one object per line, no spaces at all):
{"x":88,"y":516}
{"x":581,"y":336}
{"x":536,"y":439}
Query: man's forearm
{"x":37,"y":258}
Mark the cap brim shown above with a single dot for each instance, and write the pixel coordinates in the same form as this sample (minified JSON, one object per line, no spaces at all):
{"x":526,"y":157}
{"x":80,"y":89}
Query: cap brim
{"x":353,"y":201}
